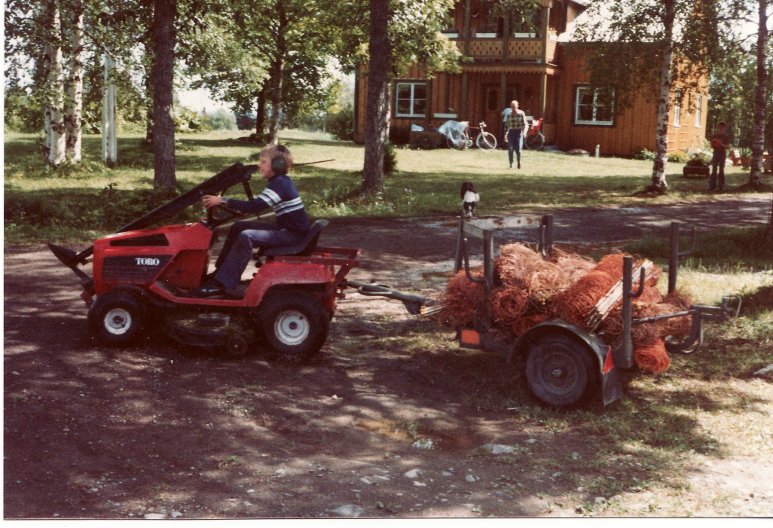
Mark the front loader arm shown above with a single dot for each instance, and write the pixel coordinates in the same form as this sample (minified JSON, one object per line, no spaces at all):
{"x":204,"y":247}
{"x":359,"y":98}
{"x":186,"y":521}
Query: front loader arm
{"x":228,"y":177}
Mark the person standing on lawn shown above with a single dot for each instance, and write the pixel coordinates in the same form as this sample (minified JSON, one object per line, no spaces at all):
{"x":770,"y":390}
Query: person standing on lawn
{"x":516,"y":127}
{"x":292,"y":223}
{"x":720,"y":142}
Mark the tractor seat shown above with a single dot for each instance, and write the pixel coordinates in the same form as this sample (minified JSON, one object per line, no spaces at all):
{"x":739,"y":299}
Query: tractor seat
{"x":303,"y":248}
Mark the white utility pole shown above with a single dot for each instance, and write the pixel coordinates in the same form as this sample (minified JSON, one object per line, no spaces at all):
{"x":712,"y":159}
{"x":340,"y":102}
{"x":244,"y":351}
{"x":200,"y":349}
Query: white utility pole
{"x":109,"y":137}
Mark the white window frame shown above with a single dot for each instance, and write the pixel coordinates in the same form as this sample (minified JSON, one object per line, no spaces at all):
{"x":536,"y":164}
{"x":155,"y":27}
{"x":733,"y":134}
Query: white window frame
{"x":595,"y":122}
{"x":678,"y":110}
{"x":698,"y":109}
{"x":412,"y":99}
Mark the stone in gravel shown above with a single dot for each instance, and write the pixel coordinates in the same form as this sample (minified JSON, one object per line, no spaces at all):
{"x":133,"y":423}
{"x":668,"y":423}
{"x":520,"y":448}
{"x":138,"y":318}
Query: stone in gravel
{"x":414,"y":473}
{"x":348,"y":510}
{"x":424,"y":443}
{"x":498,"y":449}
{"x":470,"y":478}
{"x":155,"y":516}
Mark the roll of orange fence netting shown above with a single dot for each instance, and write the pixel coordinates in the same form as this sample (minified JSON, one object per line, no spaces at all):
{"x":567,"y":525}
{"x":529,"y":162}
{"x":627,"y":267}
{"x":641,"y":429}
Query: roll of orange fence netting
{"x":463,"y":298}
{"x":513,"y":263}
{"x":574,"y":265}
{"x":575,"y":303}
{"x":507,"y":304}
{"x":652,"y":358}
{"x":544,"y":280}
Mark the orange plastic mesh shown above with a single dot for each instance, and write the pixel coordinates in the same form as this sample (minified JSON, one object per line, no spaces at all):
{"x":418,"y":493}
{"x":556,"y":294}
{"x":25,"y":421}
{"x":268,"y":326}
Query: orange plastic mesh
{"x":652,"y":358}
{"x":463,"y":298}
{"x":508,"y":304}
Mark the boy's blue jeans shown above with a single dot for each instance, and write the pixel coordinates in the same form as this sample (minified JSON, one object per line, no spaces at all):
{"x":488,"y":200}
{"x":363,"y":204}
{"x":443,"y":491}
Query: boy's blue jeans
{"x":240,"y":245}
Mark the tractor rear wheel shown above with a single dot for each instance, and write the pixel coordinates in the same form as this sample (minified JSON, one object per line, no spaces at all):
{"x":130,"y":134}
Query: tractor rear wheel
{"x":116,"y":318}
{"x":559,"y":371}
{"x":294,"y":323}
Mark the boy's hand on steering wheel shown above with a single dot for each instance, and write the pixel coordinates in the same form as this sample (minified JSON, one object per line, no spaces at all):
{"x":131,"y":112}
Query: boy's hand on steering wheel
{"x":210,"y":201}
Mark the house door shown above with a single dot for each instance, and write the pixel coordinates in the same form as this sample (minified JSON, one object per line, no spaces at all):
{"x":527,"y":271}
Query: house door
{"x":491,"y":112}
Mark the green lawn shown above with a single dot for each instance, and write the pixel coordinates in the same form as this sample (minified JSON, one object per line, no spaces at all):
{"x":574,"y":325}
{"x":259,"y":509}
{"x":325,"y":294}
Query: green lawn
{"x":96,"y":199}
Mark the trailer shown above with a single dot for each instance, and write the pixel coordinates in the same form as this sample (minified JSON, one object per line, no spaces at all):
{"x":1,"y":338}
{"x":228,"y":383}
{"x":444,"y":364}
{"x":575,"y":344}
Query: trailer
{"x":565,"y":364}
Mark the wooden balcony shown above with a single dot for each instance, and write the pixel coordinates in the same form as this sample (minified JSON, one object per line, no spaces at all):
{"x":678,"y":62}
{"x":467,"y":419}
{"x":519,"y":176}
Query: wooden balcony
{"x":519,"y":49}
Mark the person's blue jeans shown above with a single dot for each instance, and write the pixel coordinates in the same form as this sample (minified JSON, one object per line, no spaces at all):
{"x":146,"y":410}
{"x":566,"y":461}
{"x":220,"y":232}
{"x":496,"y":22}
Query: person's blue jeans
{"x":240,"y":245}
{"x":514,"y":144}
{"x":717,"y":178}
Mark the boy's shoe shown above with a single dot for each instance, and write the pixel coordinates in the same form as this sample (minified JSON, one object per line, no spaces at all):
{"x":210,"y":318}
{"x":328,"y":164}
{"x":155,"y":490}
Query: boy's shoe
{"x":210,"y":288}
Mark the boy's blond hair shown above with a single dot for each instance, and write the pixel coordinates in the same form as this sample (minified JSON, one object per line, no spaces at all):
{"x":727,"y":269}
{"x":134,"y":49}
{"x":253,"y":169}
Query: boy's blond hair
{"x":278,"y":151}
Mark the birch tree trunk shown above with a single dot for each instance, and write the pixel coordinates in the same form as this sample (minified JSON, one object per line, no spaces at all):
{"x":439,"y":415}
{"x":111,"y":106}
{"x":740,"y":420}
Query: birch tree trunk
{"x":760,"y":96}
{"x":74,"y":106}
{"x":659,"y":183}
{"x":54,"y":92}
{"x":377,"y":104}
{"x":164,"y":13}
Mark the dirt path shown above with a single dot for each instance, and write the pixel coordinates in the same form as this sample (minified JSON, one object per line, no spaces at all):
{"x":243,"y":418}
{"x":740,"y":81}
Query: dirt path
{"x":376,"y":426}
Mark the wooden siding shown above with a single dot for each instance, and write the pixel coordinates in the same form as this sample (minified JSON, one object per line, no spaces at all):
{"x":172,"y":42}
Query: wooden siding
{"x":536,"y":71}
{"x":633,"y":129}
{"x":480,"y":102}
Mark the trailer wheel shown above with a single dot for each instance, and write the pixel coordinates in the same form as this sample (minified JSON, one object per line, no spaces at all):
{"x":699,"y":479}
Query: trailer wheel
{"x":116,"y":319}
{"x":294,"y":323}
{"x":559,"y":371}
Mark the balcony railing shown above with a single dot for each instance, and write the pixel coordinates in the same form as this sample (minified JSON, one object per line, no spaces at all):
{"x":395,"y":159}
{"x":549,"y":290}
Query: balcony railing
{"x":518,"y":49}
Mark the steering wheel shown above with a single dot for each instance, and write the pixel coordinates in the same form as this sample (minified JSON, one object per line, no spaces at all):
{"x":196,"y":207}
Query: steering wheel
{"x":213,"y":218}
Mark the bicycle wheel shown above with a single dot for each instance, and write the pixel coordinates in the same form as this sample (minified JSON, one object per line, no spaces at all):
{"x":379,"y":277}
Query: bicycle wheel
{"x":535,"y":142}
{"x":486,"y":141}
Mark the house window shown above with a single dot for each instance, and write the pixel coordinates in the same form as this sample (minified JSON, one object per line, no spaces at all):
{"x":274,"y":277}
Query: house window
{"x":411,"y":99}
{"x":678,"y":109}
{"x":698,"y":109}
{"x":594,"y":106}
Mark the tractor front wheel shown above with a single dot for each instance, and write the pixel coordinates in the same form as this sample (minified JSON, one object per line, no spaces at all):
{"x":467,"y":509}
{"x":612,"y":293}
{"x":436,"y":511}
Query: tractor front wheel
{"x":116,"y":319}
{"x":294,"y":323}
{"x":559,"y":371}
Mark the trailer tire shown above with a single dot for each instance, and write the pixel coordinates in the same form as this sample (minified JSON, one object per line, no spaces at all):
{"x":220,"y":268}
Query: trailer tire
{"x":560,"y":371}
{"x":116,"y":318}
{"x":294,"y":324}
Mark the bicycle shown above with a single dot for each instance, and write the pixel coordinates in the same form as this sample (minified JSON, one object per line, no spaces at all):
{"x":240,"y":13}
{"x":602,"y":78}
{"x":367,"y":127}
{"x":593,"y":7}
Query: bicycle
{"x":535,"y":139}
{"x":485,"y":141}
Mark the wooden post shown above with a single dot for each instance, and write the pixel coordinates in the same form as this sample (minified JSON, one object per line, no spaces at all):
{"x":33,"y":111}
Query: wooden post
{"x":543,"y":94}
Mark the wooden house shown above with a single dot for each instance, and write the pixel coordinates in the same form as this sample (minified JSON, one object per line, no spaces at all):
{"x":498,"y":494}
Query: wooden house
{"x":531,"y":59}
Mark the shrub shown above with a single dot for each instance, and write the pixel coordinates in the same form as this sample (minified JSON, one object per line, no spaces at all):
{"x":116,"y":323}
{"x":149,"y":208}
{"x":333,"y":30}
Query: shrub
{"x":644,"y":154}
{"x":390,"y":158}
{"x":340,"y":124}
{"x":678,"y":157}
{"x":400,"y":135}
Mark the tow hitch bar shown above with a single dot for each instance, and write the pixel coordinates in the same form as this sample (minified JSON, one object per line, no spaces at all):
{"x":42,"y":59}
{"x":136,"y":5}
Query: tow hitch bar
{"x":415,"y":304}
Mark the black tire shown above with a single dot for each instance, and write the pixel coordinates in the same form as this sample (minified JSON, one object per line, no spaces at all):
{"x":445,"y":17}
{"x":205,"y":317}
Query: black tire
{"x":117,"y":319}
{"x":460,"y":143}
{"x":535,"y":142}
{"x":560,"y":371}
{"x":486,"y":141}
{"x":294,"y":324}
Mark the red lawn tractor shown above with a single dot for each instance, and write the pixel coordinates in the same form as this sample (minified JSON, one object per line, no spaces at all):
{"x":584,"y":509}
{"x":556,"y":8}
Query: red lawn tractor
{"x":144,"y":275}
